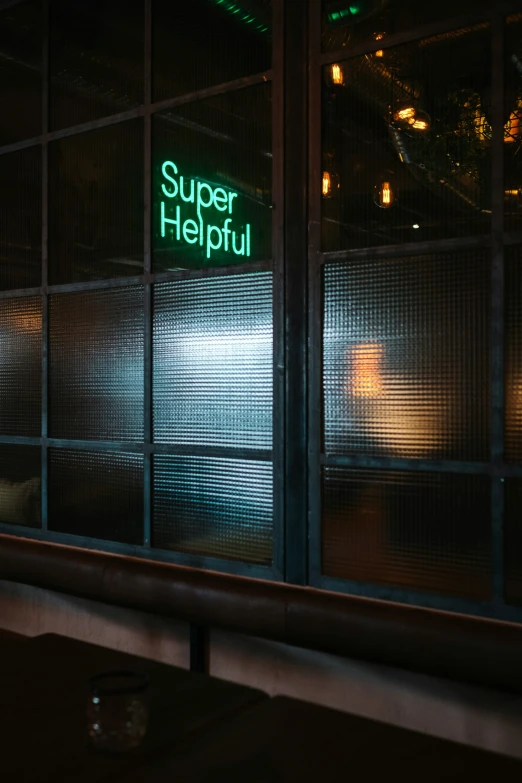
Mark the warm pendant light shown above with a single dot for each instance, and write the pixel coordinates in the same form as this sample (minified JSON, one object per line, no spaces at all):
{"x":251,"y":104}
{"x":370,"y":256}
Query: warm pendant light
{"x":385,"y":190}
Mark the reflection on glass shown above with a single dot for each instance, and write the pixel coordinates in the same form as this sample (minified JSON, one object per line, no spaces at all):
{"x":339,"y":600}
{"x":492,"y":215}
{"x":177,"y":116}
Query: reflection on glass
{"x":212,"y":174}
{"x":423,"y":531}
{"x":95,"y":59}
{"x":20,"y":366}
{"x":20,"y":485}
{"x":406,"y":357}
{"x":212,"y":361}
{"x":96,"y":365}
{"x":375,"y":19}
{"x":96,"y":494}
{"x":96,"y":204}
{"x":20,"y":70}
{"x":188,"y":37}
{"x":20,"y":219}
{"x":513,"y":125}
{"x":513,"y":355}
{"x":214,"y":507}
{"x":408,"y":136}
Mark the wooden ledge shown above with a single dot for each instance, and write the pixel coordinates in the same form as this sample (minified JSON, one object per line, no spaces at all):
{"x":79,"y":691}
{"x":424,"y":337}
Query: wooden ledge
{"x":460,"y":647}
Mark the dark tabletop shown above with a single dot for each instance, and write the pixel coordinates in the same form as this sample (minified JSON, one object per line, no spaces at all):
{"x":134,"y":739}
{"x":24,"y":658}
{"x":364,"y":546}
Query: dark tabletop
{"x":283,"y":740}
{"x":44,"y":696}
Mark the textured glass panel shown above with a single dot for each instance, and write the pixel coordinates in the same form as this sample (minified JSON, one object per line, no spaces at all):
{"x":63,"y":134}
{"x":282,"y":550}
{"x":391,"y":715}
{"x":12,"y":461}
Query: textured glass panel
{"x":96,"y":365}
{"x":20,"y":71}
{"x":406,"y":357}
{"x":346,"y":24}
{"x":407,"y":143}
{"x":423,"y":531}
{"x":96,"y":494}
{"x":20,"y":219}
{"x":513,"y":539}
{"x":96,"y":204}
{"x":212,"y":181}
{"x":20,"y":366}
{"x":20,"y":485}
{"x":212,"y":368}
{"x":513,"y":355}
{"x":96,"y":59}
{"x":513,"y":125}
{"x":201,"y":43}
{"x":214,"y":507}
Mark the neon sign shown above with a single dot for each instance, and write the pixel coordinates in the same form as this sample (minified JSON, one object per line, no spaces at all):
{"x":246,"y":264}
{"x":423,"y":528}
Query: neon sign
{"x":212,"y":223}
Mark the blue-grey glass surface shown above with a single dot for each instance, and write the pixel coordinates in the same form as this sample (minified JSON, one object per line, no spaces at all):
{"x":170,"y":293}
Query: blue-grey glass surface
{"x":418,"y":530}
{"x":20,"y":485}
{"x":96,"y":365}
{"x":216,"y":507}
{"x":212,"y":361}
{"x":96,"y":494}
{"x":20,"y":366}
{"x":406,"y":356}
{"x":21,"y":219}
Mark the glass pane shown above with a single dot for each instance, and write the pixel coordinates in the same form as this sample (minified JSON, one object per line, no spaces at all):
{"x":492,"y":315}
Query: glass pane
{"x":212,"y":369}
{"x":20,"y":219}
{"x":513,"y":539}
{"x":407,"y":143}
{"x":513,"y":125}
{"x":96,"y":494}
{"x":96,"y":59}
{"x":20,"y":366}
{"x":513,"y":355}
{"x":406,"y":357}
{"x":96,"y":204}
{"x":423,"y":531}
{"x":214,"y":507}
{"x":20,"y":485}
{"x":347,"y":24}
{"x":96,"y":365}
{"x":202,"y":43}
{"x":212,"y":181}
{"x":20,"y":71}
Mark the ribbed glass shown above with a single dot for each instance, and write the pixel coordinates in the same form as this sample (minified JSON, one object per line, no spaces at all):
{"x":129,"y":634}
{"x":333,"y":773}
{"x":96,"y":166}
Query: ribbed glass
{"x":20,"y":485}
{"x":216,"y":507}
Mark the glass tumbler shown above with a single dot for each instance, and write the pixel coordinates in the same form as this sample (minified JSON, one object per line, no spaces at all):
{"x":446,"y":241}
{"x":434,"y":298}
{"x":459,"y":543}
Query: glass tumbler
{"x":117,"y":710}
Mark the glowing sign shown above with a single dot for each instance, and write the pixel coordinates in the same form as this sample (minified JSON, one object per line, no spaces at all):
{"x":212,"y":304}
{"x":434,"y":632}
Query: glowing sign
{"x":207,"y":222}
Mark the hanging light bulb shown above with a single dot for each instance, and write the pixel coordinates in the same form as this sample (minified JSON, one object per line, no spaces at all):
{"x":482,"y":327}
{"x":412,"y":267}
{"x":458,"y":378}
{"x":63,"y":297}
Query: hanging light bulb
{"x":329,"y":184}
{"x":513,"y":127}
{"x":337,"y":74}
{"x":404,"y":114}
{"x":407,"y":116}
{"x":385,"y":191}
{"x":379,"y":37}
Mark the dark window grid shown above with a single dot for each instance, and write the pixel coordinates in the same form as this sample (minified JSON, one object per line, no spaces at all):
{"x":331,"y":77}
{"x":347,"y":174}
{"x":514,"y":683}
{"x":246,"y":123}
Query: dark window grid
{"x":497,"y":241}
{"x":147,"y":279}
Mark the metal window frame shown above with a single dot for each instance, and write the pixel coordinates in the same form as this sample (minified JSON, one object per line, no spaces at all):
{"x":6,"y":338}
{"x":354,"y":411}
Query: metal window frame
{"x":276,"y":455}
{"x":496,"y":469}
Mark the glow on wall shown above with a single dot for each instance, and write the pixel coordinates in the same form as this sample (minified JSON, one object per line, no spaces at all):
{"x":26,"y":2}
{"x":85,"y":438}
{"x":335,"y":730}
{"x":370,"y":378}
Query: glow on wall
{"x":195,"y":212}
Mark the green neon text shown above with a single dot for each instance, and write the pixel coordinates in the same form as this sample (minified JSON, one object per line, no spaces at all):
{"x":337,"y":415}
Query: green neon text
{"x":204,"y":227}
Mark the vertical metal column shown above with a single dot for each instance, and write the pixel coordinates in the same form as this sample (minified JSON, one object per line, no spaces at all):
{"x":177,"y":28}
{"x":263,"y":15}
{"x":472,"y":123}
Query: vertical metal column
{"x":45,"y":267}
{"x":497,"y":311}
{"x":296,"y":288}
{"x":147,"y":264}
